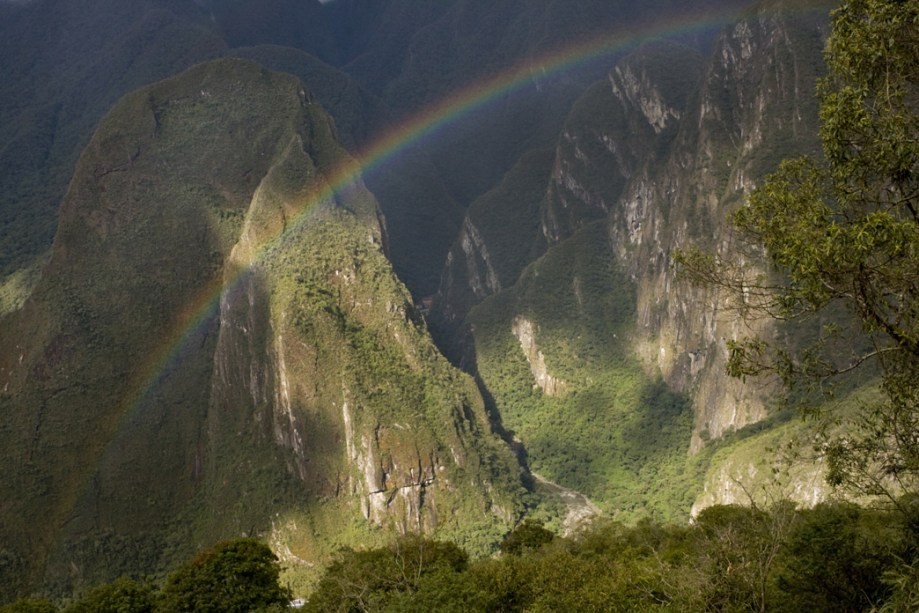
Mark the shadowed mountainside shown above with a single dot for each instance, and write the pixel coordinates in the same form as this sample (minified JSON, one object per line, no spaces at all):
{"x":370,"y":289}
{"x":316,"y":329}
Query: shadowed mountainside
{"x":180,"y":374}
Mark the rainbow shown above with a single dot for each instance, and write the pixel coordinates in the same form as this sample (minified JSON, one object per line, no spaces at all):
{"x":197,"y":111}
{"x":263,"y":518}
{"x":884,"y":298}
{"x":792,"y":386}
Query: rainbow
{"x":423,"y":126}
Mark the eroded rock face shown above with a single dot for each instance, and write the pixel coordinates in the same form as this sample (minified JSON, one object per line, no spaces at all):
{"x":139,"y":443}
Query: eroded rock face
{"x":691,"y":154}
{"x":479,"y":269}
{"x":525,"y":332}
{"x":663,"y":151}
{"x":755,"y":97}
{"x":341,"y":374}
{"x":636,"y":87}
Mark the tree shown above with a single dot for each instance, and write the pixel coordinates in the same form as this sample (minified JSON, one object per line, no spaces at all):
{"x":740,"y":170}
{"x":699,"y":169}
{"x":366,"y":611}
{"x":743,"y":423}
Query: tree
{"x":529,"y":535}
{"x":736,"y":551}
{"x":233,"y":576}
{"x":29,"y":605}
{"x":122,"y":595}
{"x":374,"y":579}
{"x":841,"y":236}
{"x":835,"y":558}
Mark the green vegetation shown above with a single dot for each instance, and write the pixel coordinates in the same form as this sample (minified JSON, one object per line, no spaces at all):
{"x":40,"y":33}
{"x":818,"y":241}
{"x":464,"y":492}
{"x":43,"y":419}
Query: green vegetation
{"x":309,"y":405}
{"x":57,"y":82}
{"x":134,"y":440}
{"x":842,"y":237}
{"x":831,"y":558}
{"x":124,"y":594}
{"x":88,"y":413}
{"x":369,"y":580}
{"x":528,"y":535}
{"x":236,"y":576}
{"x":834,"y":557}
{"x":606,"y":429}
{"x":364,"y":345}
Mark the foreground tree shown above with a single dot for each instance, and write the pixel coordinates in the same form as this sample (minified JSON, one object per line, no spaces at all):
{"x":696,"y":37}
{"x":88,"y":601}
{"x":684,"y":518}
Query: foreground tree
{"x":381,"y":578}
{"x":233,"y":576}
{"x":29,"y":605}
{"x":529,"y":535}
{"x":835,"y":557}
{"x":122,"y":595}
{"x":841,"y":235}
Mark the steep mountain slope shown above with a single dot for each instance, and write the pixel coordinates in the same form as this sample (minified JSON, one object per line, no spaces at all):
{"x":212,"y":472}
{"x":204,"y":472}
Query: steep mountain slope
{"x":218,"y":343}
{"x":460,"y":49}
{"x":69,"y":61}
{"x":359,"y":115}
{"x":616,"y":128}
{"x":416,"y":55}
{"x":64,"y":64}
{"x":755,"y":106}
{"x":497,"y":240}
{"x":651,"y":160}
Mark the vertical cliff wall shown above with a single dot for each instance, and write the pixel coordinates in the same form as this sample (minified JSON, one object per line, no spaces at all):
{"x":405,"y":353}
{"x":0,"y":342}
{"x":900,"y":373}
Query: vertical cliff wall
{"x":754,"y":106}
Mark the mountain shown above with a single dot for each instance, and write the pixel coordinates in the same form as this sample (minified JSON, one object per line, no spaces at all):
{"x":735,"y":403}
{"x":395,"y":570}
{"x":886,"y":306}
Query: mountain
{"x":603,"y":361}
{"x":64,"y":65}
{"x":265,"y":211}
{"x":218,"y":344}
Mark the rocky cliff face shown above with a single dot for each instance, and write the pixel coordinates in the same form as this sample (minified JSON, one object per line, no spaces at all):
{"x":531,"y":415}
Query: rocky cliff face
{"x":267,"y":360}
{"x":616,"y":131}
{"x":658,"y":154}
{"x":753,"y":107}
{"x":218,"y":344}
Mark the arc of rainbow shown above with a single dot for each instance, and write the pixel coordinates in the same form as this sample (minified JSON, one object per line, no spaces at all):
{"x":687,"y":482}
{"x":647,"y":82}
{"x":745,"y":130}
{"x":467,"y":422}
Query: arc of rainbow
{"x":450,"y":110}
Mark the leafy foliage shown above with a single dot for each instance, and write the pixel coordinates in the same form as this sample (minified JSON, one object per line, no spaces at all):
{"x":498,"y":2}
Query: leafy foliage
{"x":120,"y":596}
{"x":234,"y":576}
{"x":528,"y":535}
{"x":835,"y":557}
{"x":30,"y":605}
{"x":364,"y":580}
{"x":842,"y":235}
{"x":607,"y":430}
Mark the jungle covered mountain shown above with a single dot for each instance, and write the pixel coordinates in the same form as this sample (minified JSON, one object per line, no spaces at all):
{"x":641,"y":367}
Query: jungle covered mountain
{"x":324,"y":273}
{"x":268,"y":339}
